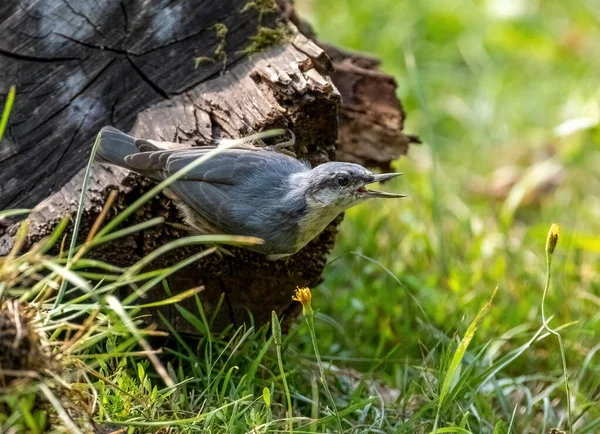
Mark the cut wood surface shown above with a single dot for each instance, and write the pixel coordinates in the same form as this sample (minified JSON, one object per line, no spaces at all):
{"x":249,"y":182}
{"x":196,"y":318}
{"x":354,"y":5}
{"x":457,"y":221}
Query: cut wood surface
{"x":371,"y":118}
{"x":79,"y":66}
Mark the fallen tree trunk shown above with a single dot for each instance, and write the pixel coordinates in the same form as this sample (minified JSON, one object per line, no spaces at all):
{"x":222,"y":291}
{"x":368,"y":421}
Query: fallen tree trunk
{"x":131,"y":65}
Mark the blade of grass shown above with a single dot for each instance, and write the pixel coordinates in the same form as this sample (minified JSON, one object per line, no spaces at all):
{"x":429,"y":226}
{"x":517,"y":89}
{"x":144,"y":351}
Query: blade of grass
{"x":175,"y":299}
{"x":166,"y":273}
{"x":276,"y":329}
{"x":179,"y":338}
{"x":188,"y":421}
{"x":452,"y":429}
{"x":55,"y":235}
{"x":459,"y":354}
{"x":18,"y":243}
{"x":160,"y":369}
{"x":127,"y":231}
{"x":68,"y":275}
{"x":62,"y":413}
{"x":10,"y":99}
{"x":13,"y":212}
{"x":233,"y":240}
{"x":78,"y":217}
{"x":93,"y":263}
{"x":348,"y":410}
{"x":112,"y":196}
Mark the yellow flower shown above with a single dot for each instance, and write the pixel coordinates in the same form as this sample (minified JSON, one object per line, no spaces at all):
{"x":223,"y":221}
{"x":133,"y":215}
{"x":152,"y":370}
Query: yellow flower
{"x":552,"y":239}
{"x":303,"y":295}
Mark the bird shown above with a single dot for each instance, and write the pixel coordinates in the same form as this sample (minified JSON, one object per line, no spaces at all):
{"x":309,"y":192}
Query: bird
{"x":248,"y":190}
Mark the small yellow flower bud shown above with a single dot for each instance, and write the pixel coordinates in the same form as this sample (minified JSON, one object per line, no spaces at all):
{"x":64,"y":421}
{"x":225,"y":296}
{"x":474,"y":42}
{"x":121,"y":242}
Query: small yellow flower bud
{"x":552,"y":239}
{"x":304,"y":296}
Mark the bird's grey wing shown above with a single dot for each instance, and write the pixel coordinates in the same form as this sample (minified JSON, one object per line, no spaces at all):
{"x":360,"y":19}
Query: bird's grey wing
{"x":152,"y":157}
{"x":227,"y":167}
{"x":208,"y":188}
{"x":145,"y":145}
{"x":235,"y":165}
{"x":211,"y":202}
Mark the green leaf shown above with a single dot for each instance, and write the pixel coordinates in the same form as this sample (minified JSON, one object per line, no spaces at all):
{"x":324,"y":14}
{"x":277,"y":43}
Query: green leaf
{"x":267,"y":396}
{"x":499,"y":428}
{"x":140,"y":372}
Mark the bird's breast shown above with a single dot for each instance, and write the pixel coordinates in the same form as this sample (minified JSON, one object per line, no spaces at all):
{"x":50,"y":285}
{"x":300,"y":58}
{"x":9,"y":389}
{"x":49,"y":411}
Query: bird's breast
{"x":315,"y":220}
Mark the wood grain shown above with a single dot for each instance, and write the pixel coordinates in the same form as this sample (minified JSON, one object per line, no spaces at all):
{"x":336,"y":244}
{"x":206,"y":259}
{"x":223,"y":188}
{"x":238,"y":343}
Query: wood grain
{"x":81,"y":65}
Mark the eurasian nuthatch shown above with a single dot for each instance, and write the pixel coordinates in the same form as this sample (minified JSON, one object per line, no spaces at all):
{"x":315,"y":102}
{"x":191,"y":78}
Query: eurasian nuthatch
{"x":248,"y":190}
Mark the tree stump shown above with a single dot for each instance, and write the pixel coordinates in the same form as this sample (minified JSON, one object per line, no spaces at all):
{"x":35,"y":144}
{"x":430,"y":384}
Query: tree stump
{"x":187,"y":72}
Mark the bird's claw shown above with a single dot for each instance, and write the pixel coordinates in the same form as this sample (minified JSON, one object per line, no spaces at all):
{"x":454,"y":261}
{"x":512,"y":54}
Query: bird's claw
{"x":180,"y":226}
{"x":286,"y":143}
{"x":282,"y":146}
{"x":220,"y":251}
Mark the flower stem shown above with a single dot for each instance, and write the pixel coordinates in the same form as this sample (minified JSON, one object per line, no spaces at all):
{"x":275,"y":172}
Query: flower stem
{"x":276,"y":329}
{"x":309,"y":317}
{"x":550,"y":246}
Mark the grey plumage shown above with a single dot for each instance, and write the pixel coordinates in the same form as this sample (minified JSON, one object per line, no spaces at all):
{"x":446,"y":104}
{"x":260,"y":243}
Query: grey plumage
{"x":247,"y":190}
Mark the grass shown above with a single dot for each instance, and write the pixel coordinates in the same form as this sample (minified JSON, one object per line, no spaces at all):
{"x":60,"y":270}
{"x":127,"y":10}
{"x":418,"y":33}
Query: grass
{"x":398,"y":342}
{"x":10,"y":100}
{"x":481,"y":85}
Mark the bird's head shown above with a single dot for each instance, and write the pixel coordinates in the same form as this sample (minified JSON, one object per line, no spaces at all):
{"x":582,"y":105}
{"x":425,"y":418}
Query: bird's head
{"x":343,"y":185}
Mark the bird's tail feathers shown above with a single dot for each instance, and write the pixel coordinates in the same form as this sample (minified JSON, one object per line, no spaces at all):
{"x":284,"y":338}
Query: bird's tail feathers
{"x":114,"y":146}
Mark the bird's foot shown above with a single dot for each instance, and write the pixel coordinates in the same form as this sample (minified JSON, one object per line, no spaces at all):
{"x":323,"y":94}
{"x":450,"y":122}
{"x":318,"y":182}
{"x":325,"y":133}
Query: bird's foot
{"x":180,"y":226}
{"x":220,"y":251}
{"x":282,"y":147}
{"x":286,"y":143}
{"x":285,"y":259}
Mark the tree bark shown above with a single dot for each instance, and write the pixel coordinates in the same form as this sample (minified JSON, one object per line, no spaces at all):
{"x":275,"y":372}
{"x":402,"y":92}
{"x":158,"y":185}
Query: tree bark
{"x":79,"y":66}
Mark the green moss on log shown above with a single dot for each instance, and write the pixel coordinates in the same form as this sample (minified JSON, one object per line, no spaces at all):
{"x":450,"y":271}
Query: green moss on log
{"x":220,"y":51}
{"x":267,"y":37}
{"x":262,"y":6}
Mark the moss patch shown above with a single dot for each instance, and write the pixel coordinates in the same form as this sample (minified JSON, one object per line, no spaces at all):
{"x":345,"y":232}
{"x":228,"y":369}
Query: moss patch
{"x":262,"y":6}
{"x":267,"y":37}
{"x":220,"y":51}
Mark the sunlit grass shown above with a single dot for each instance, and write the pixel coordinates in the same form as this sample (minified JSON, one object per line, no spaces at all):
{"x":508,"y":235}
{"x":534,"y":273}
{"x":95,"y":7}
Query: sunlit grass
{"x":485,"y":86}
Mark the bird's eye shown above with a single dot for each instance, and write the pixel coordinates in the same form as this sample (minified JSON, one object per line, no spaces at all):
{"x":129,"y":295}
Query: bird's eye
{"x":343,"y":181}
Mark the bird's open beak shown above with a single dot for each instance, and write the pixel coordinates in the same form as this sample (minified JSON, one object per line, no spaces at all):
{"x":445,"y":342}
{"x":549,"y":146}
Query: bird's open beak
{"x":380,"y":178}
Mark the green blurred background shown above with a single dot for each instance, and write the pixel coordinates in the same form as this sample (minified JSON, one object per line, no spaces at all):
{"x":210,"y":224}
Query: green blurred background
{"x":510,"y":85}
